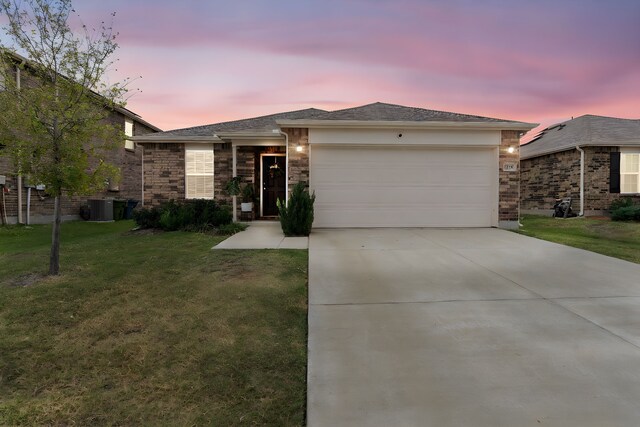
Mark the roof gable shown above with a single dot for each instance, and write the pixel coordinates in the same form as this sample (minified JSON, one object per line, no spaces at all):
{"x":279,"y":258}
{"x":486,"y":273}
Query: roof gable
{"x":380,"y":111}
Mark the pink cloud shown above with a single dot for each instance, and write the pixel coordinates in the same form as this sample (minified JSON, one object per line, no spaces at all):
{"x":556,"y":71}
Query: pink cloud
{"x":534,"y":61}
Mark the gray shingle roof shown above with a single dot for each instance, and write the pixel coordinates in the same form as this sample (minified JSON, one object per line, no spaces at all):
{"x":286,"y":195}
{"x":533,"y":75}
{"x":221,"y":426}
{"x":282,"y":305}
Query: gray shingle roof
{"x":380,"y":111}
{"x":262,"y":123}
{"x":371,"y":112}
{"x":584,"y":130}
{"x":17,"y":58}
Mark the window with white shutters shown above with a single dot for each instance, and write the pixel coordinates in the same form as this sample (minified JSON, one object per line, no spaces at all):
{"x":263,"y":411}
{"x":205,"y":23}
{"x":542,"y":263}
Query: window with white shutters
{"x":199,"y":171}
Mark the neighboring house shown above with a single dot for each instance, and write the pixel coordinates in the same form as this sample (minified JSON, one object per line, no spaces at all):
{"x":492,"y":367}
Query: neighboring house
{"x":128,"y":158}
{"x":593,"y":159}
{"x":378,"y":165}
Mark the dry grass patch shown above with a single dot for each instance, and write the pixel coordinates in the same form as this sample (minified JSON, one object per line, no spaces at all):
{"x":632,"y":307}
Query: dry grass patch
{"x":151,"y":329}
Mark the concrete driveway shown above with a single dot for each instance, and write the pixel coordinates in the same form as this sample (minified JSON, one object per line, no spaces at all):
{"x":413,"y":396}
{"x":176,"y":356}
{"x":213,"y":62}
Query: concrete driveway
{"x":478,"y":327}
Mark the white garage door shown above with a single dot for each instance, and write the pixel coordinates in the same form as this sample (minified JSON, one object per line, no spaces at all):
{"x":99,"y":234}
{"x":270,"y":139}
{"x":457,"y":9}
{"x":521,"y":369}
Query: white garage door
{"x":359,"y":186}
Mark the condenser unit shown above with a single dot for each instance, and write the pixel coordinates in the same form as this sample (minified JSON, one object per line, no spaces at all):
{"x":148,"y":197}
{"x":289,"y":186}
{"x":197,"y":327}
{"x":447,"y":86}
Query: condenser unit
{"x":101,"y":210}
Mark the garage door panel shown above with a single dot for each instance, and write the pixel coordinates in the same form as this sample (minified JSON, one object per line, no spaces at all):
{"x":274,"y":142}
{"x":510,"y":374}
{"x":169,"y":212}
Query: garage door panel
{"x":392,"y":175}
{"x":404,"y":197}
{"x":391,"y":186}
{"x":466,"y":216}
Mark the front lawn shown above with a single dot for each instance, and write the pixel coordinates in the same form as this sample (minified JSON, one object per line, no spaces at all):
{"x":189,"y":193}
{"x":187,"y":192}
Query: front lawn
{"x":616,"y":239}
{"x":149,"y":329}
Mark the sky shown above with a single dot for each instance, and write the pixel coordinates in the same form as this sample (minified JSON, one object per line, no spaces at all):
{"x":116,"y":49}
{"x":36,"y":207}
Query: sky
{"x":539,"y":61}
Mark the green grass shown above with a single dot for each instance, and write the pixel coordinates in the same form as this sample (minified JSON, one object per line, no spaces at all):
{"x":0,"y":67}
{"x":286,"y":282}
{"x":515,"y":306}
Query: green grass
{"x":616,"y":239}
{"x":149,"y":329}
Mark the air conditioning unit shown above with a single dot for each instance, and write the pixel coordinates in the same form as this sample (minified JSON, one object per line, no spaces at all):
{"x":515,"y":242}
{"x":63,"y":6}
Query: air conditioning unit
{"x":101,"y":210}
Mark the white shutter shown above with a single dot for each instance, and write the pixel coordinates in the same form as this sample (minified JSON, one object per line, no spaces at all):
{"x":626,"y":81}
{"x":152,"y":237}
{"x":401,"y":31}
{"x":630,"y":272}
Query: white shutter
{"x":630,"y":173}
{"x":199,"y":171}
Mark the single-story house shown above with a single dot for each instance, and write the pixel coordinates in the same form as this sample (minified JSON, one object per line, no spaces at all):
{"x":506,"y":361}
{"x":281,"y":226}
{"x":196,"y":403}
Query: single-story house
{"x":592,"y":159}
{"x":378,"y":165}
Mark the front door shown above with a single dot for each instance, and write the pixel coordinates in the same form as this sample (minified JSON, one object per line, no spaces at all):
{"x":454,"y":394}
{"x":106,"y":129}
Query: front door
{"x":273,"y":183}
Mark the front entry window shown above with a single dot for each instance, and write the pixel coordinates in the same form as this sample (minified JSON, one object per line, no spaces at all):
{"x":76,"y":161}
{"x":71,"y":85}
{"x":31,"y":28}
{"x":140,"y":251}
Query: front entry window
{"x":630,"y":172}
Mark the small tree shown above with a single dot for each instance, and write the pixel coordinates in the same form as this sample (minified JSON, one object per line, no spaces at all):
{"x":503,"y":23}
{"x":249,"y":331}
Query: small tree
{"x":296,"y":216}
{"x":54,"y":124}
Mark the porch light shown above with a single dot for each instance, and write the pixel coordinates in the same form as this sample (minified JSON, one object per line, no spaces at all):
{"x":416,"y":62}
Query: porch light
{"x":299,"y":148}
{"x":511,"y":150}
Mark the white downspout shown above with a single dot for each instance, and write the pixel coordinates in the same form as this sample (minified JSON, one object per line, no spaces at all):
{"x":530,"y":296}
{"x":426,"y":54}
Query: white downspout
{"x":581,"y":179}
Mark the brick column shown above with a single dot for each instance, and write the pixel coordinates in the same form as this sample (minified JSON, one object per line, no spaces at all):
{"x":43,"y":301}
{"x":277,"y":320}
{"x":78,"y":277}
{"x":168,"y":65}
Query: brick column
{"x":298,"y":161}
{"x":509,"y":181}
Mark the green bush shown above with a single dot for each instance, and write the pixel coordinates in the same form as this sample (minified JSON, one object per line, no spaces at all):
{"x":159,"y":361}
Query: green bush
{"x":296,"y":217}
{"x":189,"y":215}
{"x":147,"y":217}
{"x":621,"y":203}
{"x":626,"y":213}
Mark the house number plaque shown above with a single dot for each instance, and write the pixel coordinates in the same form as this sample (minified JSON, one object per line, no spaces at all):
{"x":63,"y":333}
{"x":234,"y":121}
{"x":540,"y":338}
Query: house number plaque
{"x":510,"y":167}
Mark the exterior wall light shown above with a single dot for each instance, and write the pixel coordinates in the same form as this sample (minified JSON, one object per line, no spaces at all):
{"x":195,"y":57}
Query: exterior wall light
{"x":299,"y":148}
{"x":511,"y":150}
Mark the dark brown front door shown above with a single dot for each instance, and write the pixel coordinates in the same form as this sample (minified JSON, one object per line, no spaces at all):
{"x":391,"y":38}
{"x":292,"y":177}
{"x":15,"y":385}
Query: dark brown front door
{"x":273,"y":183}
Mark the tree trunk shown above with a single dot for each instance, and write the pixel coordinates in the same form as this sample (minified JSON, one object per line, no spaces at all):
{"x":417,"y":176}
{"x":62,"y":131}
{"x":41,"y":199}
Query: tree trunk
{"x":54,"y":259}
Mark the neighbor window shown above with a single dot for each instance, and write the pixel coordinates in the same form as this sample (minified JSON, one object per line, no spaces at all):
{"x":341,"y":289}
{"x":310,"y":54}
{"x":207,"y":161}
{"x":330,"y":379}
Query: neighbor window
{"x":630,"y":172}
{"x":199,"y":171}
{"x":128,"y":131}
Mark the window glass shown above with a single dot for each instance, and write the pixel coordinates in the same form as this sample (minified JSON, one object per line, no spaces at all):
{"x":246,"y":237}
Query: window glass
{"x":128,"y":131}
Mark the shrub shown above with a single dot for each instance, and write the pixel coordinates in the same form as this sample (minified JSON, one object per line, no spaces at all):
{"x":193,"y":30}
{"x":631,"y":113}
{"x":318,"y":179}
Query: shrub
{"x":296,"y":217}
{"x":626,"y":213}
{"x":233,"y":186}
{"x":189,"y":215}
{"x":147,"y":217}
{"x":621,"y":203}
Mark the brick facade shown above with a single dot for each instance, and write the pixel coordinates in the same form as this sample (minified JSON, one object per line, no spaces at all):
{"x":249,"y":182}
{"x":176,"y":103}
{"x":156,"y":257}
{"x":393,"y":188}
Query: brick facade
{"x":509,"y":181}
{"x":544,"y":179}
{"x":222,"y":171}
{"x":162,"y":186}
{"x":298,"y":161}
{"x":557,"y":175}
{"x":163,"y":173}
{"x":41,"y":209}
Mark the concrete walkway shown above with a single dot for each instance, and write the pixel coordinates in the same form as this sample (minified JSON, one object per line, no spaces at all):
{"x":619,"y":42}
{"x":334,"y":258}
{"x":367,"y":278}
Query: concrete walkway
{"x":263,"y":235}
{"x":479,"y":327}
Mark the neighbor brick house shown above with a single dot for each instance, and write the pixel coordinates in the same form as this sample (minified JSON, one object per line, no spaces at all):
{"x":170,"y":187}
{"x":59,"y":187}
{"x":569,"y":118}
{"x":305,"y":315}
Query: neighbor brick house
{"x":592,"y":159}
{"x":378,"y":165}
{"x":127,"y":158}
